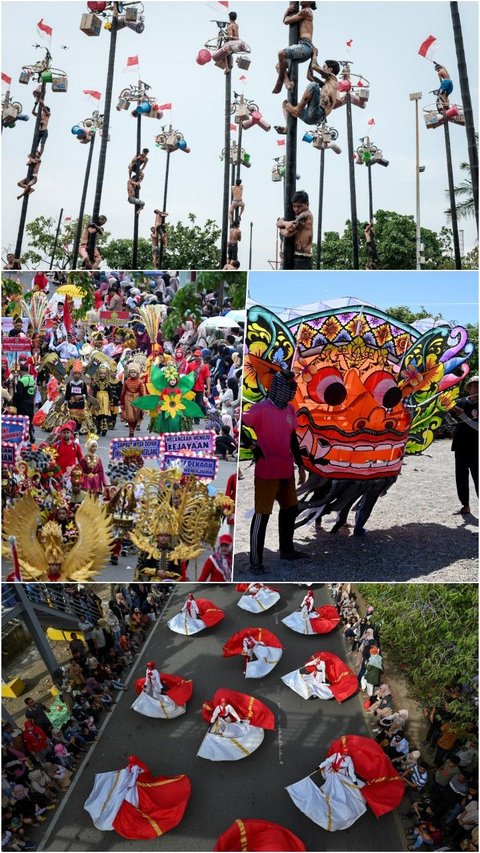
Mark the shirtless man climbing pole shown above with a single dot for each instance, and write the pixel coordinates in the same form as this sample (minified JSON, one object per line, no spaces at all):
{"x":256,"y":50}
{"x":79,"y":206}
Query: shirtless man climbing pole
{"x":298,"y":52}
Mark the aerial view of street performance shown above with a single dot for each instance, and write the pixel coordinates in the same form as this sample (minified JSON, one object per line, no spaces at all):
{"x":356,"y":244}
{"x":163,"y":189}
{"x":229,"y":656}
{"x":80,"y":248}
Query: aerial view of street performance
{"x":278,"y":163}
{"x":352,"y":408}
{"x":117,"y":730}
{"x":120,"y":424}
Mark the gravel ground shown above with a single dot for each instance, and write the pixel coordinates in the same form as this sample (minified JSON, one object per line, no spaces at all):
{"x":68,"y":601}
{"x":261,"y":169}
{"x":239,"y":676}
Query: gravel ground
{"x":412,"y":534}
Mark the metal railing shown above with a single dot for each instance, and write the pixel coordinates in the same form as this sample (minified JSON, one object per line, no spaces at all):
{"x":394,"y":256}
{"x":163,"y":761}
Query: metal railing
{"x":60,"y":597}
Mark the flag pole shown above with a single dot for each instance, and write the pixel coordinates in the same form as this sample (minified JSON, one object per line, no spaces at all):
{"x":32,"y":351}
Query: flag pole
{"x":55,"y":242}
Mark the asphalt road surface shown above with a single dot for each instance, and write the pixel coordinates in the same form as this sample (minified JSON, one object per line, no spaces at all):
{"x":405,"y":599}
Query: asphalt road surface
{"x":124,"y":571}
{"x":223,"y":791}
{"x":412,"y":533}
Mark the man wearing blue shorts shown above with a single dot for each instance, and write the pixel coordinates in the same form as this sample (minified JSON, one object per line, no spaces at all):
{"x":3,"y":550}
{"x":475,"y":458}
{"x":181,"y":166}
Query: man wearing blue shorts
{"x":300,"y":52}
{"x":445,"y":89}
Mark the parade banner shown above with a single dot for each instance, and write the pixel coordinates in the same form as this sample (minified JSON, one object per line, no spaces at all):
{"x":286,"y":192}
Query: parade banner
{"x":18,"y":344}
{"x":13,"y":348}
{"x":9,"y":454}
{"x":150,"y":446}
{"x":196,"y":441}
{"x":203,"y":467}
{"x":114,"y":318}
{"x":15,"y":429}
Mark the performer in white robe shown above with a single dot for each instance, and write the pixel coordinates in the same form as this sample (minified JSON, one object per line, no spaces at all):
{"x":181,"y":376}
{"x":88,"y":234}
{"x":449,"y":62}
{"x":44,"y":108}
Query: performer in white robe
{"x":109,"y":791}
{"x":187,"y":621}
{"x":312,"y":684}
{"x":308,"y":619}
{"x":152,"y":701}
{"x":257,"y":598}
{"x":338,"y":803}
{"x":228,"y":737}
{"x":260,"y":659}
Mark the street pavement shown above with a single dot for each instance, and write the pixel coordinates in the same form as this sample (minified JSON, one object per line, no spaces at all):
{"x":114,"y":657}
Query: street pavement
{"x":223,"y":791}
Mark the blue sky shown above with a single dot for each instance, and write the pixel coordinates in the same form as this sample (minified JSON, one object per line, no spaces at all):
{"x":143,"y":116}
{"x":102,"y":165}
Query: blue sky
{"x":454,"y":295}
{"x":386,"y":37}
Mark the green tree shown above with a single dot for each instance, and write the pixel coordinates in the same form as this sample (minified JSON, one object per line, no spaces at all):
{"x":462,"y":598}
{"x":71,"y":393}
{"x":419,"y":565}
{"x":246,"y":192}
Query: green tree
{"x":190,"y":247}
{"x":185,"y":305}
{"x":470,"y":261}
{"x":117,"y":254}
{"x":430,"y":632}
{"x":229,"y":283}
{"x":405,"y":314}
{"x":336,"y":251}
{"x":463,"y":193}
{"x":41,"y":237}
{"x":395,"y":238}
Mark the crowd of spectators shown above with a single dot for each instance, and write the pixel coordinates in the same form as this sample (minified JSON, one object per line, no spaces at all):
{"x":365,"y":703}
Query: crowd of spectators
{"x":440,"y":773}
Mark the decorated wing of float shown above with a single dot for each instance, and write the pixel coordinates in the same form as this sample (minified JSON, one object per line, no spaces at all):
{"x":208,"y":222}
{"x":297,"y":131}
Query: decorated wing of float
{"x":370,"y":388}
{"x":92,"y":549}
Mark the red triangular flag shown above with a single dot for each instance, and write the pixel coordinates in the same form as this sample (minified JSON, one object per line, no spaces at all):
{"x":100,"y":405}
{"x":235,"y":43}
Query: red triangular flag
{"x":6,"y":79}
{"x":371,"y":121}
{"x":349,"y":42}
{"x":131,"y":61}
{"x":165,"y":107}
{"x":242,"y":77}
{"x":67,"y":317}
{"x":280,"y":142}
{"x":233,"y":127}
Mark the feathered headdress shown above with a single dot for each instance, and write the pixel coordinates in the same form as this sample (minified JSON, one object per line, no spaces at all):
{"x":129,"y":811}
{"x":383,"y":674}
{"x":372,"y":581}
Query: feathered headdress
{"x":150,"y":316}
{"x":35,"y":310}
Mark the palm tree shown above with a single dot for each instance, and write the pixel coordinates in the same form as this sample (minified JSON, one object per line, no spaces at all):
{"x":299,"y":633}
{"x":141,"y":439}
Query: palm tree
{"x":464,"y":194}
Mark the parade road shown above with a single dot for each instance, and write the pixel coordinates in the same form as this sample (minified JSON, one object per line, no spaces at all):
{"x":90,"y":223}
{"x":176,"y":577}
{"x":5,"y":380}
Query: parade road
{"x":253,"y":787}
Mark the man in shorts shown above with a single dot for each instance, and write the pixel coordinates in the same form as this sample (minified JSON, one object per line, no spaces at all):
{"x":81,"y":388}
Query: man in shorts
{"x":318,"y":99}
{"x":445,"y":89}
{"x":300,"y":52}
{"x":370,"y":246}
{"x":234,"y":237}
{"x":91,"y":228}
{"x":237,"y":205}
{"x":44,"y":119}
{"x":138,"y":162}
{"x":27,"y":184}
{"x":302,"y":228}
{"x":276,"y":450}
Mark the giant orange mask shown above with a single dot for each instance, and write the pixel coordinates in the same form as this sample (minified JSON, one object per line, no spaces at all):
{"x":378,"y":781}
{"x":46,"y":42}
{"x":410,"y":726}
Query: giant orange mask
{"x":369,"y":388}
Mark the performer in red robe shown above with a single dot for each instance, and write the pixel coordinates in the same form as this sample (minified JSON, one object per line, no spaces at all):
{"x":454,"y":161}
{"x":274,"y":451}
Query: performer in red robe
{"x":259,"y":835}
{"x":136,"y":804}
{"x":68,"y":450}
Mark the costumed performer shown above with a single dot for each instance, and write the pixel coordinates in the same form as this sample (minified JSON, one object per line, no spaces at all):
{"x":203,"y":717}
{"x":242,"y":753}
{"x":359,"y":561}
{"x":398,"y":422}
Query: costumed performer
{"x":136,"y":804}
{"x":236,"y":724}
{"x":161,"y":695}
{"x":256,"y":597}
{"x":195,"y":616}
